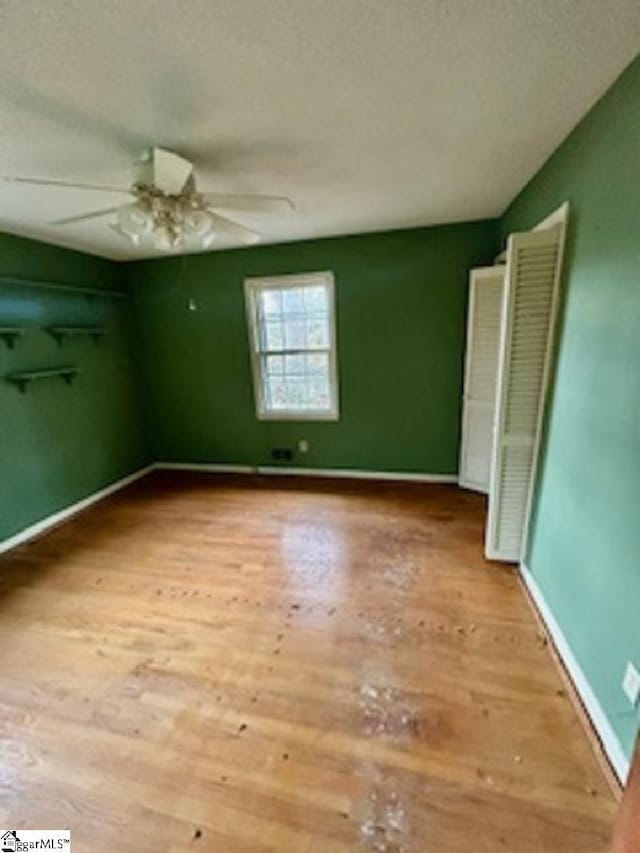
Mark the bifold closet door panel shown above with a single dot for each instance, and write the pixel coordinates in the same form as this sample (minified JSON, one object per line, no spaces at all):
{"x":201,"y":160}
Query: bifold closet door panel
{"x":528,"y":319}
{"x":481,"y":374}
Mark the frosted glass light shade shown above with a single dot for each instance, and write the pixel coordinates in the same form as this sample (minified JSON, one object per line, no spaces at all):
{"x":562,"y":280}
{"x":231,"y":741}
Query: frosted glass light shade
{"x":165,"y":240}
{"x":173,"y":224}
{"x":198,"y":224}
{"x":134,"y":220}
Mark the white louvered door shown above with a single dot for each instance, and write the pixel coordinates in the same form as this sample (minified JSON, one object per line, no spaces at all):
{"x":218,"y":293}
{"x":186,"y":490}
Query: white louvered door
{"x":528,"y":320}
{"x":481,"y":375}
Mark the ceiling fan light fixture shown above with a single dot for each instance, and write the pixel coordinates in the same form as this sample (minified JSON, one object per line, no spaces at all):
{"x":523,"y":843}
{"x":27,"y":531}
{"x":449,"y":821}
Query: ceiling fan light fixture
{"x":208,"y":240}
{"x":134,"y":219}
{"x":165,"y":239}
{"x":198,"y":224}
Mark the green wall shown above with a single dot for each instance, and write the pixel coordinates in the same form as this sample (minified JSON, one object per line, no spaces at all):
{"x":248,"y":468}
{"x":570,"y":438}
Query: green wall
{"x":59,"y":444}
{"x":585,"y":544}
{"x":401,"y":301}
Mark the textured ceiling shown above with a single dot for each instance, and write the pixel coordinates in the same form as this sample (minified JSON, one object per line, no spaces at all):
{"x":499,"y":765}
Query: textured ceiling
{"x":370,"y":114}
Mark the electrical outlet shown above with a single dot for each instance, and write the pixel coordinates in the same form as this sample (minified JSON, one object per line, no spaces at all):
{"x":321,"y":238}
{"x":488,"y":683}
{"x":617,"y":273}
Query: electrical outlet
{"x":283,"y":454}
{"x":303,"y":445}
{"x":631,"y":684}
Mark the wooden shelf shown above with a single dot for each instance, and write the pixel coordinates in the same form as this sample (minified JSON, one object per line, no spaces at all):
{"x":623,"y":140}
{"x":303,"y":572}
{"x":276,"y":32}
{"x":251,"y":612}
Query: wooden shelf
{"x":23,"y":378}
{"x":11,"y":334}
{"x":59,"y":333}
{"x":67,"y":288}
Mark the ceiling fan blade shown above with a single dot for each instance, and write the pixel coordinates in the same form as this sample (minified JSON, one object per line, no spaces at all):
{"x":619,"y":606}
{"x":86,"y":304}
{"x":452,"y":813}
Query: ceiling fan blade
{"x":82,"y":216}
{"x":250,"y":203}
{"x":44,"y":182}
{"x":233,"y":229}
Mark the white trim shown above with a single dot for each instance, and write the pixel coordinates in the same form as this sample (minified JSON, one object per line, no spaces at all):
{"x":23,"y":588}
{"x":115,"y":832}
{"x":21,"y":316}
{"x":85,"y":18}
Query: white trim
{"x":356,"y":474}
{"x":62,"y":515}
{"x":560,"y":216}
{"x":213,"y":467}
{"x":252,"y":286}
{"x":599,"y":720}
{"x":292,"y":471}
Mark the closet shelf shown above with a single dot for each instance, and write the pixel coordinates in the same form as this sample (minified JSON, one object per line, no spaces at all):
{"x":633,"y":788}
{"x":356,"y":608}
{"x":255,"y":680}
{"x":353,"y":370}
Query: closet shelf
{"x":11,"y":334}
{"x":23,"y":378}
{"x":59,"y":333}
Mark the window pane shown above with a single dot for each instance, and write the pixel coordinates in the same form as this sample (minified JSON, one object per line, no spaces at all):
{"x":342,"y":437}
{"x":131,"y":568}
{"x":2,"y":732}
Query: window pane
{"x":315,"y":299}
{"x":274,"y":364}
{"x":317,"y":334}
{"x":318,"y":397}
{"x":292,"y":300}
{"x":276,"y":392}
{"x":271,"y":303}
{"x":294,"y":335}
{"x":296,"y":392}
{"x":294,"y":364}
{"x":318,"y":363}
{"x":274,"y":336}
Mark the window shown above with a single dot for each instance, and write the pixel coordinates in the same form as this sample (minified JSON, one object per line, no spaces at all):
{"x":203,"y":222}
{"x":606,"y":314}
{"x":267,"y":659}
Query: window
{"x":293,"y":349}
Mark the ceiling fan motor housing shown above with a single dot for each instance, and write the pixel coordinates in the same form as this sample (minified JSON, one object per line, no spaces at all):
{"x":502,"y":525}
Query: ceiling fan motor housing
{"x":166,"y":170}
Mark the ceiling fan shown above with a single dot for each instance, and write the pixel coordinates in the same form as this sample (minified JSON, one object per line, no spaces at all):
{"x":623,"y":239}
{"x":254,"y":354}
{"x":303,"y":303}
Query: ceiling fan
{"x":169,"y":211}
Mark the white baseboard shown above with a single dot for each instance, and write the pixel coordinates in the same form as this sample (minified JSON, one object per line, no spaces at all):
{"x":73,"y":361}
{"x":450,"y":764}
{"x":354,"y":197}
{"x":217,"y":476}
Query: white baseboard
{"x":220,"y":468}
{"x":214,"y":467}
{"x":293,"y":471}
{"x":599,"y":720}
{"x":62,"y":515}
{"x":355,"y":474}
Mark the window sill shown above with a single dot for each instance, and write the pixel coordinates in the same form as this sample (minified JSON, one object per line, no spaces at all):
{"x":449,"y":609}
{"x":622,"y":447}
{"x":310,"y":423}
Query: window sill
{"x":298,"y":416}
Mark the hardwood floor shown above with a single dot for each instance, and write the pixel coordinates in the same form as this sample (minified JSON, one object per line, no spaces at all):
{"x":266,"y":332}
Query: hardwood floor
{"x":627,"y":832}
{"x":206,"y":663}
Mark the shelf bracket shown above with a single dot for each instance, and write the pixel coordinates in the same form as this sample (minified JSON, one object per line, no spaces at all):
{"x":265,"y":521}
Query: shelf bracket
{"x":11,"y":334}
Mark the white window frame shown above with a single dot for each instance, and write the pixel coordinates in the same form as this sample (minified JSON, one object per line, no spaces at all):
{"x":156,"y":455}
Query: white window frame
{"x":252,"y":287}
